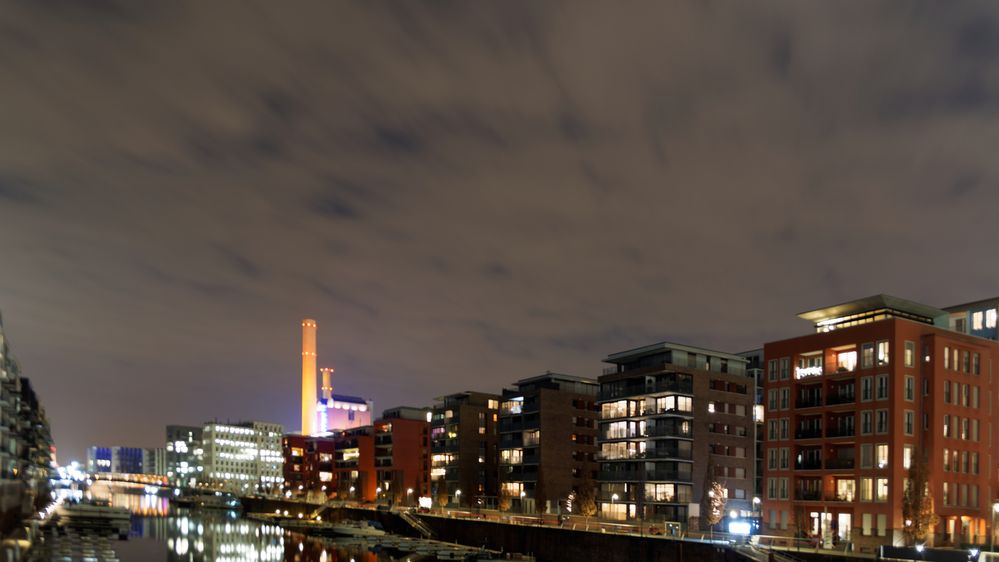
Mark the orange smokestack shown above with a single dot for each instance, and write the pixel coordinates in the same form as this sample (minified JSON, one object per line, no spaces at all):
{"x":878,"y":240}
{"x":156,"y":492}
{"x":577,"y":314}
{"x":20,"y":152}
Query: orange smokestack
{"x":308,"y":377}
{"x":327,"y":389}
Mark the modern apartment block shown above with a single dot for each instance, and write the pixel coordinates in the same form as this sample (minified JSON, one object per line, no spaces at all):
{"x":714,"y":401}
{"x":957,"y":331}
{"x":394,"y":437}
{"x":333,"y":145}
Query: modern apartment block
{"x":402,"y":453}
{"x":667,"y":413}
{"x":880,"y":383}
{"x":463,"y":442}
{"x":979,"y":318}
{"x":185,"y":455}
{"x":243,"y":457}
{"x":547,"y":439}
{"x":308,"y":465}
{"x":354,"y":464}
{"x":26,"y":447}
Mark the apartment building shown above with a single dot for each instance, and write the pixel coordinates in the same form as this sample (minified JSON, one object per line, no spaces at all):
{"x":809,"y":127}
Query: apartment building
{"x":881,"y":383}
{"x":547,"y":440}
{"x":463,"y":441}
{"x":667,"y":413}
{"x":402,"y":453}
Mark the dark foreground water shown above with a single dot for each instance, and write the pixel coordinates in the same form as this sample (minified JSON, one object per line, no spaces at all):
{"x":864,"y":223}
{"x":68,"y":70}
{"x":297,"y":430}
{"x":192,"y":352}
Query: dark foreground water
{"x":161,"y":534}
{"x":219,"y":537}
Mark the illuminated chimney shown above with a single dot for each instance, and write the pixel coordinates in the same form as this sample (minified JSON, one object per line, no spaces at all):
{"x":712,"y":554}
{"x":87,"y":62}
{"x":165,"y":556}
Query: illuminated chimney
{"x":327,"y":389}
{"x":308,"y":377}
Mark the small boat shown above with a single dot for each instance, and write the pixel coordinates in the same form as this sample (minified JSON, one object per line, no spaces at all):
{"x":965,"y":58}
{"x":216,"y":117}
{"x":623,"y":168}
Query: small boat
{"x":357,"y":529}
{"x":96,"y":513}
{"x":218,"y":500}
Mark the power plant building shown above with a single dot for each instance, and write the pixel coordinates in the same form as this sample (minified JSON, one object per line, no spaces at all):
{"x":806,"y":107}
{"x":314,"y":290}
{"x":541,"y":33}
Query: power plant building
{"x":323,"y":412}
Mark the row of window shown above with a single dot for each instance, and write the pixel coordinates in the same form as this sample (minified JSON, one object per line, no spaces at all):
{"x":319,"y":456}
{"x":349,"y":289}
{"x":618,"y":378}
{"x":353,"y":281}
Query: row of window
{"x":961,"y":461}
{"x":962,"y":361}
{"x":957,"y":427}
{"x":726,"y":408}
{"x":728,"y":451}
{"x":960,"y":495}
{"x":960,"y":394}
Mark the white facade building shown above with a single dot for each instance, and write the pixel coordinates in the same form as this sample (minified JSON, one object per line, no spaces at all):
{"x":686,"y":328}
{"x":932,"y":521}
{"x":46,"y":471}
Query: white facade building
{"x":243,"y":458}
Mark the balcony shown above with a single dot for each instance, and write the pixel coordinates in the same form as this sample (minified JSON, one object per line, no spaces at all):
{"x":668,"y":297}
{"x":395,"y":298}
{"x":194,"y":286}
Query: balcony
{"x":641,"y":390}
{"x":667,"y":432}
{"x":842,"y":399}
{"x":812,"y":433}
{"x":637,"y":476}
{"x":808,"y":464}
{"x":506,"y":425}
{"x":810,"y":402}
{"x":807,"y":495}
{"x":840,"y":464}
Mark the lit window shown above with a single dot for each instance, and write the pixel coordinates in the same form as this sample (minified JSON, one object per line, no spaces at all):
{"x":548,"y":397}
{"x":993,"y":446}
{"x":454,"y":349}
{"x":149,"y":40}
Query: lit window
{"x":907,"y":451}
{"x":976,"y":320}
{"x":990,"y":318}
{"x":881,"y":455}
{"x":881,"y":489}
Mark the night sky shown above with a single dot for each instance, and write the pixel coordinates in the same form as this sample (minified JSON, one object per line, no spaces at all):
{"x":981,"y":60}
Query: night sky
{"x":464,"y":194}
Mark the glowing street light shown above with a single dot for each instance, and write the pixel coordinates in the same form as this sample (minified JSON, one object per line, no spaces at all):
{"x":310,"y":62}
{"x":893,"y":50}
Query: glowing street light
{"x":992,"y":531}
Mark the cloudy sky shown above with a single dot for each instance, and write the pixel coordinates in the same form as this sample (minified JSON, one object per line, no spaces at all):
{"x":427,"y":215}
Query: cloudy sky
{"x":464,"y":194}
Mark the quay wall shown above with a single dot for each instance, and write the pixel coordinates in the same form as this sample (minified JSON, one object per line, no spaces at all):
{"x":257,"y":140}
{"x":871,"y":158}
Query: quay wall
{"x":546,"y":543}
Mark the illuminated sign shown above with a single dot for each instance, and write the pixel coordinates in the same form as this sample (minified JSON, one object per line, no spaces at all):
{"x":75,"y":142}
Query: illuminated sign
{"x":802,"y":372}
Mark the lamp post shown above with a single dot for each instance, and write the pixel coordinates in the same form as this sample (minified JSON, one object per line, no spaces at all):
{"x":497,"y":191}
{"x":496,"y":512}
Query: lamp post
{"x":992,"y":531}
{"x":378,"y":494}
{"x":457,"y":497}
{"x":523,"y":495}
{"x":409,"y":496}
{"x":613,"y":499}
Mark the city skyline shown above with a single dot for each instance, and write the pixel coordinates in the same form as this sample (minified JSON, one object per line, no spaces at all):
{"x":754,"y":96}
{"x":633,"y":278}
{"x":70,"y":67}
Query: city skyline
{"x":473,"y":197}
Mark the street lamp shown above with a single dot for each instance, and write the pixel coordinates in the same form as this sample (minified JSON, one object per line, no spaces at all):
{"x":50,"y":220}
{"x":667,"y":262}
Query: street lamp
{"x":409,"y":494}
{"x":523,"y":495}
{"x":457,"y":497}
{"x":992,"y":533}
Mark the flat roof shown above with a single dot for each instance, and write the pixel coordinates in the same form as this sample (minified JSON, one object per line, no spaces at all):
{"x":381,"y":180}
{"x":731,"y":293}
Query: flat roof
{"x":667,"y":346}
{"x":967,"y":305}
{"x":466,"y":393}
{"x":347,"y":398}
{"x":550,"y":376}
{"x":868,"y":304}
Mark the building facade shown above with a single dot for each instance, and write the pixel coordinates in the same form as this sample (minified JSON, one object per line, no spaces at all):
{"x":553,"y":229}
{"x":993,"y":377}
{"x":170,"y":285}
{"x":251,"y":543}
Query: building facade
{"x":26,"y":448}
{"x":308,"y":465}
{"x":402,"y":454}
{"x":882,"y":384}
{"x":243,"y":457}
{"x":354,"y":465}
{"x":184,"y":455}
{"x":547,"y":440}
{"x":463,"y":439}
{"x":669,"y":415}
{"x":116,"y":460}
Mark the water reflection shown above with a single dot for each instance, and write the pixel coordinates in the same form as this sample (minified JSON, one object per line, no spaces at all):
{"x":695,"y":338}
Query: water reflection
{"x":162,"y":534}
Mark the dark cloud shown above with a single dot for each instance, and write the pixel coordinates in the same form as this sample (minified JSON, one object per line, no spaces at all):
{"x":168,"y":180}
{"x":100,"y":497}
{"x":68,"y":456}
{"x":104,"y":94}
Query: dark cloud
{"x":464,"y":194}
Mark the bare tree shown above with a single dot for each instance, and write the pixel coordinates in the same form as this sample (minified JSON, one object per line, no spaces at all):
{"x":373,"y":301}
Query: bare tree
{"x":586,"y":497}
{"x":917,"y":503}
{"x":712,"y":498}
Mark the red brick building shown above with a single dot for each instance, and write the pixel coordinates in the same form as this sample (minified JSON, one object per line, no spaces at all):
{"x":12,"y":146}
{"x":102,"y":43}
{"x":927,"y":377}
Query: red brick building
{"x":850,"y":408}
{"x":381,"y":461}
{"x":340,"y":465}
{"x":402,"y":454}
